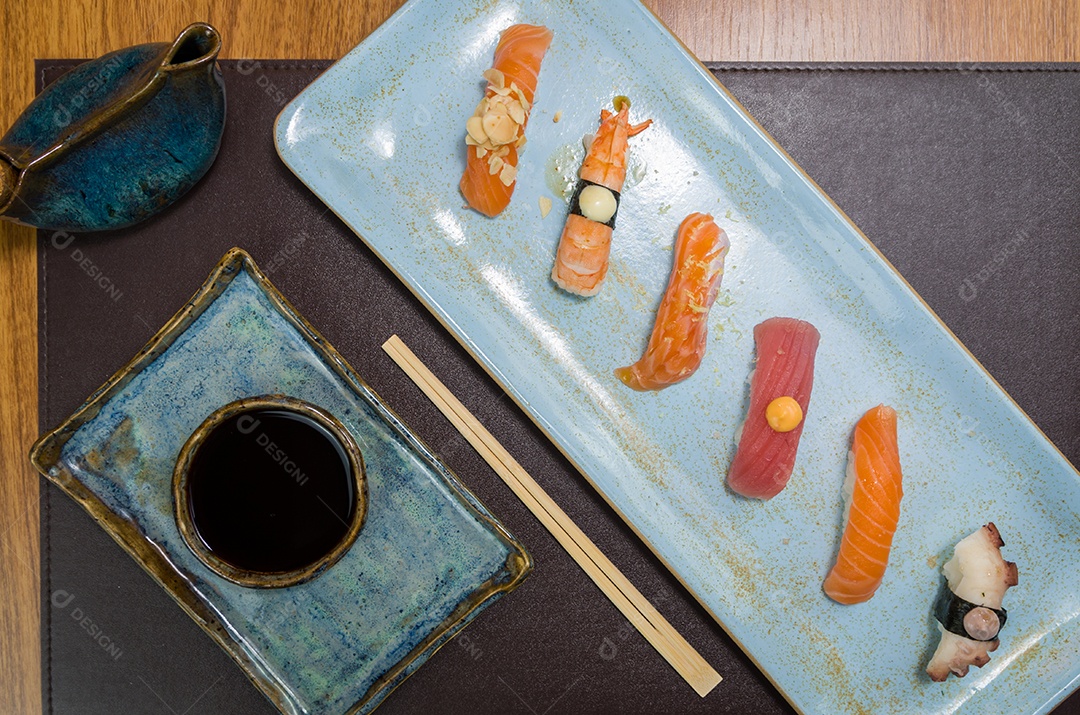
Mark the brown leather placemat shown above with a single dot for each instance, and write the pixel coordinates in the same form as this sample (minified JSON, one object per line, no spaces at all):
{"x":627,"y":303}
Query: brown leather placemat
{"x":965,"y":177}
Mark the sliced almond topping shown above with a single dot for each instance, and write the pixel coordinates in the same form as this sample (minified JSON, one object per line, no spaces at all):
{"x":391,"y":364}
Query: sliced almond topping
{"x":475,"y":128}
{"x":500,"y":128}
{"x":495,"y":77}
{"x":557,"y":117}
{"x":489,"y":121}
{"x":495,"y":164}
{"x":508,"y":174}
{"x":521,"y":96}
{"x":545,"y":206}
{"x":516,"y":112}
{"x":498,"y":119}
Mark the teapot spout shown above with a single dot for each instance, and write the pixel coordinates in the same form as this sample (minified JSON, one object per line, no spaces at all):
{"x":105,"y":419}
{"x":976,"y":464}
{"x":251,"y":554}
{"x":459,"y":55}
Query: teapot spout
{"x":198,"y":44}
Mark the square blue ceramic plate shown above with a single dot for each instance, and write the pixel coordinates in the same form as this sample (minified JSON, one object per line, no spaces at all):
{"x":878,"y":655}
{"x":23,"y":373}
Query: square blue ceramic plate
{"x":380,"y":138}
{"x":427,"y":560}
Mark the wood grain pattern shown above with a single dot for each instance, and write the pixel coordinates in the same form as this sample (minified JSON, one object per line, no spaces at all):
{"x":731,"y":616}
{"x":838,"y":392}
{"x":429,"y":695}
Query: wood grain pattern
{"x":805,"y":30}
{"x":876,"y":30}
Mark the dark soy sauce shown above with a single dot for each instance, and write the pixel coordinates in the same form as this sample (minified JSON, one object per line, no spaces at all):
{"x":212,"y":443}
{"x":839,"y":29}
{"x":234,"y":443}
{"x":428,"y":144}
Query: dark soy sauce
{"x":271,"y":490}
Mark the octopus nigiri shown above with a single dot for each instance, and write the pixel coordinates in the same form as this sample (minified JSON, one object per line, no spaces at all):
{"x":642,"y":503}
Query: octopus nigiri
{"x":681,"y":329}
{"x":581,"y":262}
{"x":969,"y":611}
{"x":779,"y":398}
{"x":496,"y":131}
{"x":872,"y":494}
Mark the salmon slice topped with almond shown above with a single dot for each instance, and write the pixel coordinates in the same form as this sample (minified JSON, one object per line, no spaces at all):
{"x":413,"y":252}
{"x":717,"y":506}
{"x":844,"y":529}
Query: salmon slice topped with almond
{"x":496,"y":131}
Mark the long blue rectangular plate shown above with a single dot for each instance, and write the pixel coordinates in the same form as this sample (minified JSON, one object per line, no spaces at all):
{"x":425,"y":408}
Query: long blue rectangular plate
{"x":380,"y":138}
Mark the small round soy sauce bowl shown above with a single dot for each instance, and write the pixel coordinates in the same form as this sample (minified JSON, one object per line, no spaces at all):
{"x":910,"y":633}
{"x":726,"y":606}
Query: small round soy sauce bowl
{"x":270,"y":491}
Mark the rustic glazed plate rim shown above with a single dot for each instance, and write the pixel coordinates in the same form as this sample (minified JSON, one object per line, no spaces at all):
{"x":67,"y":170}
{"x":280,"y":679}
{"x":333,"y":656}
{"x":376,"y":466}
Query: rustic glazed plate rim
{"x":45,"y":455}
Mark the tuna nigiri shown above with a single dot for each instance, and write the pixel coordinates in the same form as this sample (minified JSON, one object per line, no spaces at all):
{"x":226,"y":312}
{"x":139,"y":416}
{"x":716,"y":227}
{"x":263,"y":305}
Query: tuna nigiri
{"x":679,"y":334}
{"x":496,"y":131}
{"x":872,"y":493}
{"x":779,"y":397}
{"x":581,"y":262}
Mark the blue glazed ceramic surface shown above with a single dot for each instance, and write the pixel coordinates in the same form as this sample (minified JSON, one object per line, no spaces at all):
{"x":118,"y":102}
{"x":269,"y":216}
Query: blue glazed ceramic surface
{"x":118,"y":139}
{"x":380,"y":138}
{"x":428,"y":559}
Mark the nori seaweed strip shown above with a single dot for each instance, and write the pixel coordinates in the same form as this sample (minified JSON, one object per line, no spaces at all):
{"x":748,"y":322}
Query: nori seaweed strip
{"x":576,"y":209}
{"x":950,"y":609}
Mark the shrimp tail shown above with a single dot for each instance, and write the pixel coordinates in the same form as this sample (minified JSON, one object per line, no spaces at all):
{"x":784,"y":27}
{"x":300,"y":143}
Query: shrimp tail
{"x":636,"y":129}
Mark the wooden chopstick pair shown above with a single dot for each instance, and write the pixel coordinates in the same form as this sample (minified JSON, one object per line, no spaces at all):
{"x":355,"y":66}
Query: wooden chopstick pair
{"x":637,"y":609}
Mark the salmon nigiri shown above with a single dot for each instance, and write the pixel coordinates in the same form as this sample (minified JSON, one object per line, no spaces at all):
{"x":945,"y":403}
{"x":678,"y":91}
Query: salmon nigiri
{"x":496,"y":131}
{"x":779,"y":397}
{"x":872,"y":493}
{"x":581,"y":262}
{"x":681,"y":329}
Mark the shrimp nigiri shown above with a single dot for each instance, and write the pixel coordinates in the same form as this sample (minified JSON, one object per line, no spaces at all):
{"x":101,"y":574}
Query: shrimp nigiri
{"x":872,"y":493}
{"x":681,"y":329}
{"x":581,"y":262}
{"x":779,"y":397}
{"x":496,"y":131}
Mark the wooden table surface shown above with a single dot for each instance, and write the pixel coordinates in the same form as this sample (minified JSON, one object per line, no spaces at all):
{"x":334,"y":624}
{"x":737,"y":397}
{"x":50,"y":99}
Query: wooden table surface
{"x":810,"y":30}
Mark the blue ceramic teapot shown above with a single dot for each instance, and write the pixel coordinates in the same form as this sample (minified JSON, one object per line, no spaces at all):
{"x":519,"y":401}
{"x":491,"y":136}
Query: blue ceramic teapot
{"x":116,"y":140}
